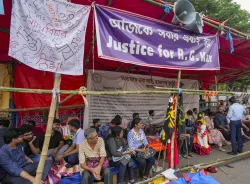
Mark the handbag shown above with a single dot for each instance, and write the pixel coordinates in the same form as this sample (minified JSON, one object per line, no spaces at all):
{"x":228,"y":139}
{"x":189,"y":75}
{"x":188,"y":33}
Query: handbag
{"x":150,"y":154}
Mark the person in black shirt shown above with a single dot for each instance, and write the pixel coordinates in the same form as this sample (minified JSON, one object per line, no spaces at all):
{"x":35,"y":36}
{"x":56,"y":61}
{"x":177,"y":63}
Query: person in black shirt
{"x":28,"y":138}
{"x":97,"y":124}
{"x":221,"y":123}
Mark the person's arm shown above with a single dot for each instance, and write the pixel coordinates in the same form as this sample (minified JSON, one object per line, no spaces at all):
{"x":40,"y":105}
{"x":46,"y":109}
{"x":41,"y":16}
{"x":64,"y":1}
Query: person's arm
{"x":72,"y":152}
{"x":72,"y":147}
{"x":131,"y":143}
{"x":10,"y":166}
{"x":34,"y":149}
{"x":230,"y":113}
{"x":113,"y":149}
{"x":243,"y":124}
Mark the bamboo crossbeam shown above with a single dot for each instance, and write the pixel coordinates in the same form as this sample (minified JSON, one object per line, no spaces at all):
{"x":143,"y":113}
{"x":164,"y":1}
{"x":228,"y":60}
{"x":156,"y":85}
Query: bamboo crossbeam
{"x":41,"y":108}
{"x":160,"y":90}
{"x":206,"y":20}
{"x":202,"y":166}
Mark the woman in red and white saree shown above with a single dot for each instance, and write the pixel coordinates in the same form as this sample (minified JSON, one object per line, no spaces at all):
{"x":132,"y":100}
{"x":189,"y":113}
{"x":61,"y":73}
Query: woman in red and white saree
{"x":202,"y":147}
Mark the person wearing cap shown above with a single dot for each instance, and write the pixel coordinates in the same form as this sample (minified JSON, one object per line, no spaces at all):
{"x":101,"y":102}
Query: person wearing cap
{"x":235,"y":115}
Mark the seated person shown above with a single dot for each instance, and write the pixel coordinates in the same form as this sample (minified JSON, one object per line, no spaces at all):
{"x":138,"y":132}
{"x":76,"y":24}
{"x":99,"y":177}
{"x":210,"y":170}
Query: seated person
{"x":216,"y":136}
{"x":20,"y":169}
{"x":202,"y":135}
{"x":189,"y":137}
{"x":56,"y":145}
{"x":119,"y":155}
{"x":137,"y":141}
{"x":96,"y":124}
{"x":221,"y":123}
{"x":36,"y":130}
{"x":105,"y":130}
{"x":148,"y":126}
{"x":71,"y":154}
{"x":92,"y":158}
{"x":2,"y":130}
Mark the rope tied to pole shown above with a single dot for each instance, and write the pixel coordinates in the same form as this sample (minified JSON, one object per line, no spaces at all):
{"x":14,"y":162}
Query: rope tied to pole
{"x":82,"y":92}
{"x":180,"y":91}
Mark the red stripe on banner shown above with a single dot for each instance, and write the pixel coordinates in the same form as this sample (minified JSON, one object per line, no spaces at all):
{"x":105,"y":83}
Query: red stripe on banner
{"x":156,"y":66}
{"x":144,"y":17}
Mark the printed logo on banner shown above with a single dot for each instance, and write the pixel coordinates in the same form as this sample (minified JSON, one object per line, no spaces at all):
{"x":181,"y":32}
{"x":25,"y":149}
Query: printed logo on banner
{"x":49,"y":35}
{"x":135,"y":39}
{"x":1,"y":7}
{"x":97,"y":78}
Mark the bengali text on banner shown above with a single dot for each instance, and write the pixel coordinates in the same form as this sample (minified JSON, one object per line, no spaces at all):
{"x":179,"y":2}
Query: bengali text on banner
{"x":135,"y":39}
{"x":49,"y":35}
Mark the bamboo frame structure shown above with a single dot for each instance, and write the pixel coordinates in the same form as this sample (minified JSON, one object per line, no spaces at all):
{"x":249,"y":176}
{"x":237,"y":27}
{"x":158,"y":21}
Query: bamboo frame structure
{"x":202,"y":166}
{"x":159,"y":90}
{"x":41,"y":108}
{"x":44,"y":153}
{"x":206,"y":20}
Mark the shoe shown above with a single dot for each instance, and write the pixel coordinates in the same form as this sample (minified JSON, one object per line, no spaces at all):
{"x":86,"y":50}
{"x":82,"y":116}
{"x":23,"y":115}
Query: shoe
{"x":239,"y":151}
{"x":231,"y":153}
{"x":190,"y":155}
{"x":221,"y":149}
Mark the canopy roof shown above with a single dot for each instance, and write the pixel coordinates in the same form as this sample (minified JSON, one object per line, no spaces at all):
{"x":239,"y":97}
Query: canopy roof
{"x":232,"y":65}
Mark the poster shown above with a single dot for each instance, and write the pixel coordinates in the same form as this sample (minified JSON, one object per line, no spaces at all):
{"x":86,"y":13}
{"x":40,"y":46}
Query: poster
{"x":105,"y":107}
{"x":49,"y":35}
{"x":131,"y":38}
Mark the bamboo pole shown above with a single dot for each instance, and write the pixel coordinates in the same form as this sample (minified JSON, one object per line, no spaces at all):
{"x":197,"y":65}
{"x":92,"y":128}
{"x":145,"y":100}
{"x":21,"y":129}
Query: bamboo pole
{"x":162,"y":90}
{"x":202,"y":166}
{"x":41,"y":108}
{"x":48,"y":132}
{"x":206,"y":20}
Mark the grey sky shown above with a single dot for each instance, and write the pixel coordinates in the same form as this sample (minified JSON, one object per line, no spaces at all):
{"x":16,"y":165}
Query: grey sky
{"x":245,"y":4}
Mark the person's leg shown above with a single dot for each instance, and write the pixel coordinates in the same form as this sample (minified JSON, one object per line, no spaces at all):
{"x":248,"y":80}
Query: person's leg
{"x":107,"y":176}
{"x":35,"y":158}
{"x":142,"y":165}
{"x":14,"y":180}
{"x":190,"y":144}
{"x":31,"y":168}
{"x":50,"y":151}
{"x":150,"y":163}
{"x":73,"y":159}
{"x":47,"y":167}
{"x":63,"y":149}
{"x":225,"y":134}
{"x":86,"y":177}
{"x":233,"y":136}
{"x":239,"y":137}
{"x":122,"y":170}
{"x":130,"y":173}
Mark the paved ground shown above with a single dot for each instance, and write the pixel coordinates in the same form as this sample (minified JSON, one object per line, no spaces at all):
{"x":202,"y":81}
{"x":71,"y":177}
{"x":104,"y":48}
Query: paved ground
{"x":240,"y":174}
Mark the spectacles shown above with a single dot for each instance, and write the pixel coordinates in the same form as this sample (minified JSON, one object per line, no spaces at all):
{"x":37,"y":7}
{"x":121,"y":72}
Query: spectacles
{"x":94,"y":137}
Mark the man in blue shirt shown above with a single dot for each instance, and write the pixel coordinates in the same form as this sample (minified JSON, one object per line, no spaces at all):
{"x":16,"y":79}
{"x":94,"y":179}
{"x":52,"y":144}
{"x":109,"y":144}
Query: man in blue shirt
{"x":235,"y":115}
{"x":18,"y":167}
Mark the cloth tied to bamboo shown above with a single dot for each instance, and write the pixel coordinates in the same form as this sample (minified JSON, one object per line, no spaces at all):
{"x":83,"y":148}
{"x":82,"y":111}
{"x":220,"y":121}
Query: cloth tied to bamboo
{"x":55,"y":92}
{"x":208,"y":94}
{"x":82,"y":92}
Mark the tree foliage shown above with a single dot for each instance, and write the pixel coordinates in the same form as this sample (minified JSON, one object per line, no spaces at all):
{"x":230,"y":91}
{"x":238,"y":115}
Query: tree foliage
{"x":239,"y":19}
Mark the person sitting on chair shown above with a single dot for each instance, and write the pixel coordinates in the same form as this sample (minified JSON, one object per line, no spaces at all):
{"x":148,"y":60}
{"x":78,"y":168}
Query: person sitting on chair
{"x":92,"y":155}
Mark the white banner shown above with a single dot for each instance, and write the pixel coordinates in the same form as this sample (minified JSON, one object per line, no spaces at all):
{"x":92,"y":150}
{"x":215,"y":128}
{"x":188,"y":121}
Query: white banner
{"x":49,"y":35}
{"x":105,"y":107}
